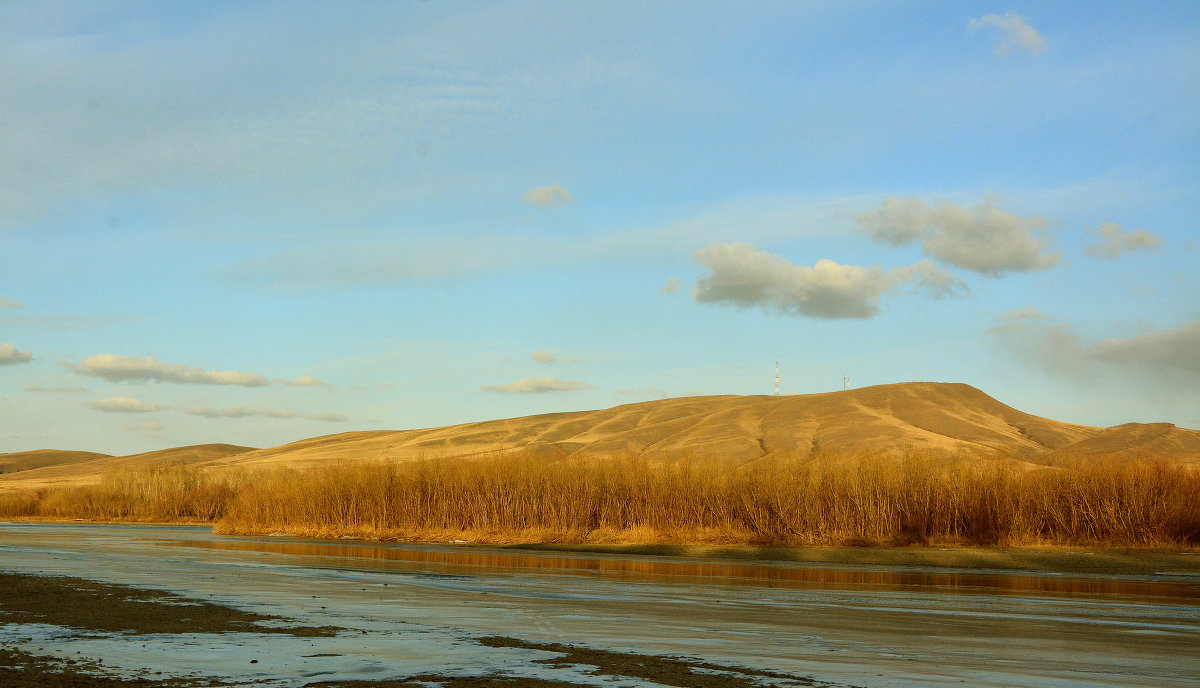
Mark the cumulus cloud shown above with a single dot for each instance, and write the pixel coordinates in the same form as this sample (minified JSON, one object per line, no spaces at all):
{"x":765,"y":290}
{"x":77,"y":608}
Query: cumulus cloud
{"x":247,"y":412}
{"x":537,"y":385}
{"x":54,"y":390}
{"x":744,"y":276}
{"x":121,"y":405}
{"x":549,"y":359}
{"x":9,"y":303}
{"x":1015,"y":33}
{"x":548,"y":196}
{"x":982,"y":238}
{"x":1115,"y":243}
{"x":10,"y":354}
{"x":115,"y":368}
{"x":673,"y":286}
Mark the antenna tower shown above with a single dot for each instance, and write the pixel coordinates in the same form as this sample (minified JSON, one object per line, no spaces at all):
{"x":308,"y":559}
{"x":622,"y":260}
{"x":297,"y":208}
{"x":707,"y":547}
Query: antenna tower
{"x":845,"y":383}
{"x":776,"y":378}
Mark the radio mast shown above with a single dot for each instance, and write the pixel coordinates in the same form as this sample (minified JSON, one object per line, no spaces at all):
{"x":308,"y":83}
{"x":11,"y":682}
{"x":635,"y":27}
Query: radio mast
{"x":776,"y":378}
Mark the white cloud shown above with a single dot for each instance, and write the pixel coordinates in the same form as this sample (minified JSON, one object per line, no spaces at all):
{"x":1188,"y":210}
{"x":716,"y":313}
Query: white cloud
{"x":116,"y":368}
{"x":247,"y":412}
{"x":54,"y":390}
{"x":537,"y":385}
{"x":673,"y":286}
{"x":10,"y":354}
{"x":548,"y":196}
{"x":1117,"y":243}
{"x":9,"y":303}
{"x":745,"y":276}
{"x":1015,"y":33}
{"x":983,"y":238}
{"x":122,"y":405}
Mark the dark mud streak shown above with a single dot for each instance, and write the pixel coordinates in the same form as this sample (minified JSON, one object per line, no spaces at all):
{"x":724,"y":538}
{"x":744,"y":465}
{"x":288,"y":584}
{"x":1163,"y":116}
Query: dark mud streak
{"x":88,"y":605}
{"x":669,"y":671}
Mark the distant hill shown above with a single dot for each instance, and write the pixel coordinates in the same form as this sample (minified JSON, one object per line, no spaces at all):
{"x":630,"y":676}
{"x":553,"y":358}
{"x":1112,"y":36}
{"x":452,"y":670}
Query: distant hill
{"x":86,"y":467}
{"x":950,"y":419}
{"x":40,"y":458}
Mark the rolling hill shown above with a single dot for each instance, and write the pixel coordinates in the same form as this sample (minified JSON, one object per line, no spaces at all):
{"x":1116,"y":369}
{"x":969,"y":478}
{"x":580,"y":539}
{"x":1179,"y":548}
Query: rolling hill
{"x":887,"y":419}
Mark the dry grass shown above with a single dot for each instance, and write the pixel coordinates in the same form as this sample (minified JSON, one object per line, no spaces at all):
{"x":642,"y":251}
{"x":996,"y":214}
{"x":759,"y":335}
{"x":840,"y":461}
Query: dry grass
{"x":782,"y":501}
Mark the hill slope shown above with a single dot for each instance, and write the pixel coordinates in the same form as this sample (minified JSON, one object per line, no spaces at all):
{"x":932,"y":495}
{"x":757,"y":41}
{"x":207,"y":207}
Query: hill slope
{"x":889,"y":419}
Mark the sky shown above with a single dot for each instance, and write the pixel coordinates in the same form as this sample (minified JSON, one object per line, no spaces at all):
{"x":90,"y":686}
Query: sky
{"x":257,"y":222}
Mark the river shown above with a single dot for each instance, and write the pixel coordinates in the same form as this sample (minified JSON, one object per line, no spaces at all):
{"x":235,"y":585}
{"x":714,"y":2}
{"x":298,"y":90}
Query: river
{"x":420,"y":609}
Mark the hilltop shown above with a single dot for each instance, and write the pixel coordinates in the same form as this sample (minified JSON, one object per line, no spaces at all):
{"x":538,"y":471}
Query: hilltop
{"x":945,"y":418}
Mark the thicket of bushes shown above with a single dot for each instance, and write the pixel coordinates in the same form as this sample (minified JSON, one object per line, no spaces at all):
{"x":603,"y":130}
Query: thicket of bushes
{"x":788,"y":500}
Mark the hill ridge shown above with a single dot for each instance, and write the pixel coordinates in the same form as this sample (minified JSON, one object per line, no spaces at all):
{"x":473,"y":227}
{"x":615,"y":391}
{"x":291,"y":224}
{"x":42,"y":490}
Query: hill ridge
{"x":930,"y":417}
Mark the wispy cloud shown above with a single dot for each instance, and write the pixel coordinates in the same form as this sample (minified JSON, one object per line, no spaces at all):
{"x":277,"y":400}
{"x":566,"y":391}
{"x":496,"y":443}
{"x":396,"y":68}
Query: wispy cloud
{"x":982,"y":238}
{"x":1116,"y":243}
{"x":1169,"y":356}
{"x":1015,"y":318}
{"x":43,"y":322}
{"x":745,"y":276}
{"x":303,"y":381}
{"x":248,"y":412}
{"x":548,"y":196}
{"x":1015,"y":33}
{"x":122,"y":405}
{"x":116,"y":368}
{"x":10,"y":354}
{"x":644,"y":392}
{"x":54,"y":390}
{"x":550,"y":359}
{"x":537,"y":385}
{"x":150,"y":427}
{"x":673,"y":286}
{"x":9,"y":303}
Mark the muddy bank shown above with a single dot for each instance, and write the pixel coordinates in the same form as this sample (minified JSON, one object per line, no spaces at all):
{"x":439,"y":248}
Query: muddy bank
{"x":86,"y":605}
{"x":86,"y":609}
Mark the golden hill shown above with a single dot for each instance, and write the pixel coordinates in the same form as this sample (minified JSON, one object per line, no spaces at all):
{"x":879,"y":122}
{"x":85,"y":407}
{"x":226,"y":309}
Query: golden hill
{"x":888,"y":419}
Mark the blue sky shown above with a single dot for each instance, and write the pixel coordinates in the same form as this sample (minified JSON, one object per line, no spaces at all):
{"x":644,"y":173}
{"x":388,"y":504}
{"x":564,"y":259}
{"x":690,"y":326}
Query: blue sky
{"x":259,"y":222}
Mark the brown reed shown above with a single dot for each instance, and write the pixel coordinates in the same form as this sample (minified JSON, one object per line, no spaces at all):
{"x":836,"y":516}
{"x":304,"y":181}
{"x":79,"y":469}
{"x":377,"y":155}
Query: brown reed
{"x":786,"y":500}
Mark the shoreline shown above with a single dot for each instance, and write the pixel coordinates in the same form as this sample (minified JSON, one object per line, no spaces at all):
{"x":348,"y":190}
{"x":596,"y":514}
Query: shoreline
{"x":1094,"y":559}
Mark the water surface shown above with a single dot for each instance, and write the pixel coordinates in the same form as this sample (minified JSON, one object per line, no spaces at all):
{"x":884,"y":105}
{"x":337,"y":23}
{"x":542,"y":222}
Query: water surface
{"x":418,"y":608}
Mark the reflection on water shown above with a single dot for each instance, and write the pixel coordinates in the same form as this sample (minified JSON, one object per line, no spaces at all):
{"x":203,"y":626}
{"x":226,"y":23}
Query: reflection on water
{"x":460,"y":559}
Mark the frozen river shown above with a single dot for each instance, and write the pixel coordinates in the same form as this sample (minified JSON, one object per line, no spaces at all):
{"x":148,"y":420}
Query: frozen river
{"x":414,"y":609}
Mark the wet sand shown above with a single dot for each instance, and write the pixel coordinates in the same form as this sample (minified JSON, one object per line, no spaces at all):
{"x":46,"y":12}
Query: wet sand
{"x":468,"y":616}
